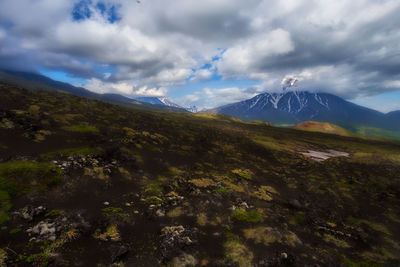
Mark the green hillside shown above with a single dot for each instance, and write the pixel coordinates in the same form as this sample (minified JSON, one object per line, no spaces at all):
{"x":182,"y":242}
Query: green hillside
{"x":322,"y":127}
{"x":88,"y":183}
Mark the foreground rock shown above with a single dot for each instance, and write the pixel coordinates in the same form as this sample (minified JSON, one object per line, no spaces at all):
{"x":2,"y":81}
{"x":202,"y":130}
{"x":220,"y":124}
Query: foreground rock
{"x":177,"y":243}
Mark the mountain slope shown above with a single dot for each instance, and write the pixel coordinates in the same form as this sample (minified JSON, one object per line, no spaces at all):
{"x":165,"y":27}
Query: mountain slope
{"x":296,"y":106}
{"x":322,"y":127}
{"x":394,"y":116}
{"x":40,"y":82}
{"x":158,"y":101}
{"x":89,"y":183}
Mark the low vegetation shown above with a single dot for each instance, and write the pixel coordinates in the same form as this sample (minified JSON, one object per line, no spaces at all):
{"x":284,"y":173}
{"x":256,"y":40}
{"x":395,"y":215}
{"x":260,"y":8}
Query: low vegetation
{"x":133,"y":186}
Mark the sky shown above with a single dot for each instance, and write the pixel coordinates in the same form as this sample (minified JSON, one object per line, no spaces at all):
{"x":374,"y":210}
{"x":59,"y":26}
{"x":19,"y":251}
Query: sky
{"x":209,"y":53}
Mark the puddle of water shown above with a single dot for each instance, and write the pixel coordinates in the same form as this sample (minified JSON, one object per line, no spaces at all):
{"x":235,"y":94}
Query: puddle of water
{"x":324,"y":155}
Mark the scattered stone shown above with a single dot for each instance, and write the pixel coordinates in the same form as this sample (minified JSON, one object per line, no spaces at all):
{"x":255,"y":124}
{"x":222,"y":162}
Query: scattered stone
{"x":176,"y":240}
{"x":118,"y":252}
{"x":29,"y":212}
{"x":44,"y":230}
{"x":49,"y":229}
{"x":244,"y":205}
{"x":184,"y":260}
{"x":160,"y":213}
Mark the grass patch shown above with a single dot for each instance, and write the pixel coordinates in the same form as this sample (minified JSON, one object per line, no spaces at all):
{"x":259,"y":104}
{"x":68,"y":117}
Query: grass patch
{"x":81,"y":128}
{"x":54,"y":213}
{"x":297,"y":218}
{"x":15,"y":231}
{"x":238,"y":253}
{"x":252,"y":216}
{"x":322,"y":127}
{"x":77,"y":151}
{"x":375,"y":226}
{"x":21,"y":177}
{"x":349,"y":263}
{"x":222,"y":191}
{"x":49,"y":249}
{"x":244,"y":173}
{"x":265,"y":192}
{"x":337,"y":242}
{"x":153,"y":189}
{"x":3,"y":257}
{"x":110,"y":233}
{"x":202,"y":219}
{"x":114,"y":213}
{"x":175,"y":212}
{"x":268,"y":235}
{"x":154,"y":200}
{"x":96,"y":172}
{"x":203,"y":182}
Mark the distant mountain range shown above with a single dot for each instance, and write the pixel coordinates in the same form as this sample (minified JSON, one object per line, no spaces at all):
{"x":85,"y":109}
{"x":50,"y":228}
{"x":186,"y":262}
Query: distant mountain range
{"x":292,"y":107}
{"x":158,"y":101}
{"x":39,"y":82}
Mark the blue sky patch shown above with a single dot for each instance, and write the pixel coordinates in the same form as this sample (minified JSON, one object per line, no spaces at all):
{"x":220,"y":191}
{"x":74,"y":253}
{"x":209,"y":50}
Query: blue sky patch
{"x":84,"y":10}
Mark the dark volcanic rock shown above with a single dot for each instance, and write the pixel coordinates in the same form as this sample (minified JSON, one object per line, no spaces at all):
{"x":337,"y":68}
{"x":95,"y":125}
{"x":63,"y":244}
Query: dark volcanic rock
{"x":176,"y":240}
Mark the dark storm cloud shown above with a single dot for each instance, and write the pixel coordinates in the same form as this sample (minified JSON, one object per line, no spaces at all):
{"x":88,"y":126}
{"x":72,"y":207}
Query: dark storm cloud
{"x":351,"y":48}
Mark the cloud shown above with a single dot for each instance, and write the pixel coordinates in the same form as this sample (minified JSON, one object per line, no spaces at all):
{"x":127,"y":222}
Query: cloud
{"x":127,"y":88}
{"x":217,"y":96}
{"x":350,"y":48}
{"x":202,"y":75}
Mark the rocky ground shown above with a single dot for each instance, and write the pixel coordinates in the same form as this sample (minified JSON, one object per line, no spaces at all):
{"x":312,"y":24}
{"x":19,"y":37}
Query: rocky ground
{"x":86,"y":183}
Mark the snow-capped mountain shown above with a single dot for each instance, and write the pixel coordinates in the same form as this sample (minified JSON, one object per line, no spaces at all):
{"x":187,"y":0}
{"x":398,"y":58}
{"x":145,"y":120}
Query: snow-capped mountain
{"x":192,"y":109}
{"x":158,"y":101}
{"x":289,"y":107}
{"x":165,"y":102}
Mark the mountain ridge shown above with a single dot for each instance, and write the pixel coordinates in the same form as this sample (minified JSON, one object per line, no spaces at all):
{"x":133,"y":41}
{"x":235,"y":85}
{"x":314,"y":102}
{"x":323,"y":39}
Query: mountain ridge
{"x":40,"y":82}
{"x":292,"y":107}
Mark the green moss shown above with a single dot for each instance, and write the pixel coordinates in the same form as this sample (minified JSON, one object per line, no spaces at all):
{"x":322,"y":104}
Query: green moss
{"x":297,"y":218}
{"x":154,"y":200}
{"x":238,"y":253}
{"x":202,"y":219}
{"x":54,"y":213}
{"x":375,"y":226}
{"x":3,"y":257}
{"x":15,"y":230}
{"x":20,"y":177}
{"x":205,"y":182}
{"x":243,"y":173}
{"x":114,"y":213}
{"x":337,"y":242}
{"x":81,"y":128}
{"x":349,"y":263}
{"x":252,"y":216}
{"x":39,"y":259}
{"x":222,"y":191}
{"x":175,"y":212}
{"x":5,"y":203}
{"x":81,"y":151}
{"x":153,"y":189}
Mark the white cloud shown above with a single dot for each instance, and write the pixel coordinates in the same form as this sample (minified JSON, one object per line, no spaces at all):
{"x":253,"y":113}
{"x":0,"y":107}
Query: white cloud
{"x":345,"y":47}
{"x":125,"y":88}
{"x":201,"y":75}
{"x":244,"y":58}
